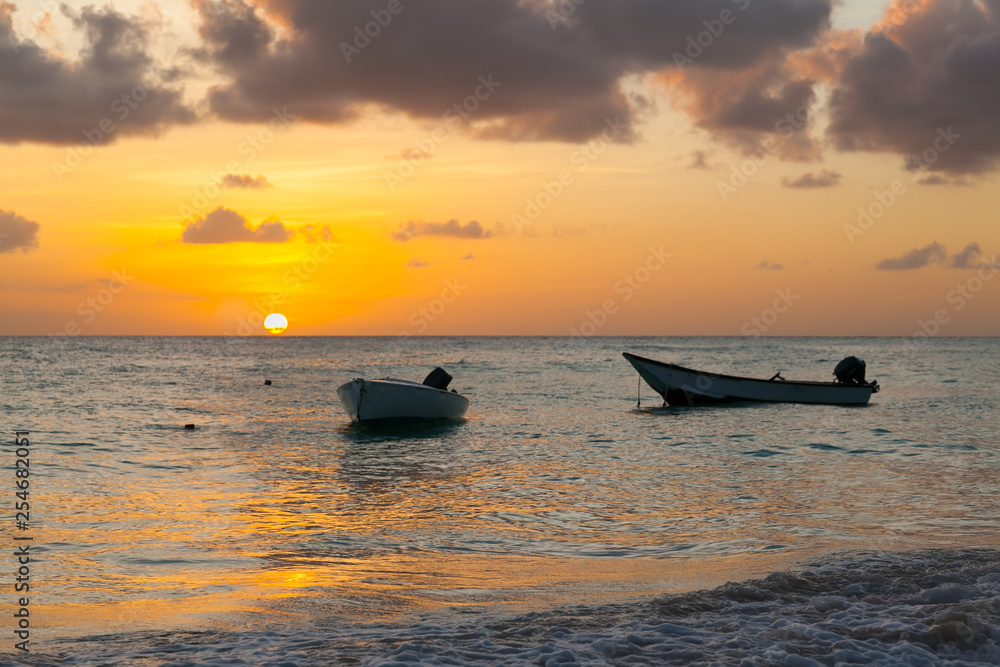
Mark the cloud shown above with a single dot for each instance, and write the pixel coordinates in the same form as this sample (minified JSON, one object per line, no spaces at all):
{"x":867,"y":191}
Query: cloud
{"x":557,"y":80}
{"x":469,"y":257}
{"x":325,"y":233}
{"x":769,"y":266}
{"x":823,"y":179}
{"x":760,"y":108}
{"x":245,"y":181}
{"x":921,"y":85}
{"x":417,"y":264}
{"x":764,"y":104}
{"x":75,"y":288}
{"x":699,"y":160}
{"x":46,"y":98}
{"x":225,"y":226}
{"x":452,"y":229}
{"x":926,"y":90}
{"x":969,"y":258}
{"x":17,"y":233}
{"x":915,"y":259}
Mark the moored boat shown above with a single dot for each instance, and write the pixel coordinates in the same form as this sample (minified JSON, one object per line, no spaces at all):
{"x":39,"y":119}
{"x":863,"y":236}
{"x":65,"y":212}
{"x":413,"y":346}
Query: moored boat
{"x":393,"y":399}
{"x":685,"y":386}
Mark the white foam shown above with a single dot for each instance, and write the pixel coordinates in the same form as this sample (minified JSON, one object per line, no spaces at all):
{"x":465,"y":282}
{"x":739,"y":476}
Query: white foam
{"x":927,"y":608}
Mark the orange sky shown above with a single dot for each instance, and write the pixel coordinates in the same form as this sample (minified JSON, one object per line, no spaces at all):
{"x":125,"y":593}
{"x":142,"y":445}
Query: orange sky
{"x":650,"y":237}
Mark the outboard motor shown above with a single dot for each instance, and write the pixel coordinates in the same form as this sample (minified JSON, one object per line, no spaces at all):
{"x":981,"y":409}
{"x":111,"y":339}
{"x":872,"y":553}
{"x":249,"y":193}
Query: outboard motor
{"x":439,"y":378}
{"x":851,"y":371}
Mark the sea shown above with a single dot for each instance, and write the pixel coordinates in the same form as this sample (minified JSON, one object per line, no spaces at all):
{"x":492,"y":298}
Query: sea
{"x":570,"y":519}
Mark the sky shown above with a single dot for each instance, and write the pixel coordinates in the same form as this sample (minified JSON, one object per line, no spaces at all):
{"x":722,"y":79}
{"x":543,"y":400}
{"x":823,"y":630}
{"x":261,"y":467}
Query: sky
{"x":500,"y":167}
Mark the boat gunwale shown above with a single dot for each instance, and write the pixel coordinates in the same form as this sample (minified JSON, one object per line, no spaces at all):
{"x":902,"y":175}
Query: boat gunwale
{"x":404,"y":383}
{"x":722,"y":376}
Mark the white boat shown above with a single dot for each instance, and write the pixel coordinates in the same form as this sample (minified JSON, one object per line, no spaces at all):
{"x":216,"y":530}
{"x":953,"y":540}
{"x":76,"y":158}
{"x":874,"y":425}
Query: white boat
{"x":684,"y":386}
{"x":389,"y":398}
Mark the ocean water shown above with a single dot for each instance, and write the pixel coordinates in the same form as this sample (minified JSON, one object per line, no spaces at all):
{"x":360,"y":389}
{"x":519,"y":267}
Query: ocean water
{"x":560,"y":523}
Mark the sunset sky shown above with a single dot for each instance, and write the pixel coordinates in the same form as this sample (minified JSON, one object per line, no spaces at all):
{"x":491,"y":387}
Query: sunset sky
{"x":604,"y":167}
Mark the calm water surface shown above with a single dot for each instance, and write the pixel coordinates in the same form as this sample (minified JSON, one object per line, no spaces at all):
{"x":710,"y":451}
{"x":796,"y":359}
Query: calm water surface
{"x":275,"y":532}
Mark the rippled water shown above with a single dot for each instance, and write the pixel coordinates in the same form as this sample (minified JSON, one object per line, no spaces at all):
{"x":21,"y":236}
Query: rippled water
{"x":275,"y":531}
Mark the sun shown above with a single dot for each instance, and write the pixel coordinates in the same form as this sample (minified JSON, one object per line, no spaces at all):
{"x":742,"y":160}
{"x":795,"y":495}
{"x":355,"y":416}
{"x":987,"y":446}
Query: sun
{"x":275,"y":323}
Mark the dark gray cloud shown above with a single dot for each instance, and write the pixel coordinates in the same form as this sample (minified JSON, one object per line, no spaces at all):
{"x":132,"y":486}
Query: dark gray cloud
{"x":225,"y":226}
{"x":554,"y":80}
{"x":927,"y":91}
{"x":417,"y":264}
{"x":770,"y":266}
{"x":760,"y":108}
{"x":452,"y":228}
{"x":245,"y":182}
{"x":652,"y":32}
{"x":915,"y":259}
{"x":699,"y":160}
{"x":505,"y":69}
{"x":113,"y":90}
{"x":17,"y":233}
{"x":970,"y":257}
{"x":822,"y":179}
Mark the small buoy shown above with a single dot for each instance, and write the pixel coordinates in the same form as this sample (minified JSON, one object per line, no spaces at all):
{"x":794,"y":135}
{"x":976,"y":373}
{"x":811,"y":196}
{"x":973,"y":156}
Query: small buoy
{"x":267,"y":382}
{"x":189,"y":427}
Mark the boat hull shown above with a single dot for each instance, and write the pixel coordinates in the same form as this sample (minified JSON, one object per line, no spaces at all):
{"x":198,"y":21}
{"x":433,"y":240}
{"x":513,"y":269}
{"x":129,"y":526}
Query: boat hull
{"x":685,"y":386}
{"x":379,"y":400}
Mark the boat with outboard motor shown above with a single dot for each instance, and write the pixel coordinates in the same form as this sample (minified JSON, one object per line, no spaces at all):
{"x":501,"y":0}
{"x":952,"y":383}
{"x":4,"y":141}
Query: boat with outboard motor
{"x":684,"y":386}
{"x":393,"y":399}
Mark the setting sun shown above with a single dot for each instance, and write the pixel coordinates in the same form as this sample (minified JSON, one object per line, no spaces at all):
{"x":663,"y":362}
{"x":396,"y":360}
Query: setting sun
{"x":275,"y":324}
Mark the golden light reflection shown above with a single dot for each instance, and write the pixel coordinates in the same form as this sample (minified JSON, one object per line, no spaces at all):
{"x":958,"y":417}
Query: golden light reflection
{"x":288,"y":580}
{"x":372,"y":533}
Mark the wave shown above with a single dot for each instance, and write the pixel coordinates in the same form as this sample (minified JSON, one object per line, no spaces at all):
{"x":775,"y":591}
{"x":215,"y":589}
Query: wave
{"x":938,"y":607}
